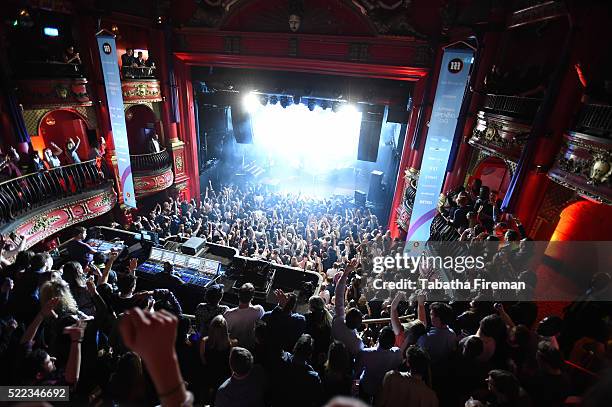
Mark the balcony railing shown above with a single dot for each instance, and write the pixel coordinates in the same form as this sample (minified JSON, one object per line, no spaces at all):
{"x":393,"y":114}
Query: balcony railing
{"x":44,"y":69}
{"x":20,"y":195}
{"x":141,"y":72}
{"x":150,"y":162}
{"x":515,"y":106}
{"x":595,"y":119}
{"x":524,"y":4}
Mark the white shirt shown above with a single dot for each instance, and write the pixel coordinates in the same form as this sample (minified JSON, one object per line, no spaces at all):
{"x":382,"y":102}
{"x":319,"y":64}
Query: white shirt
{"x":339,"y":330}
{"x":241,"y":323}
{"x":156,"y":146}
{"x":331,"y":273}
{"x":54,"y":162}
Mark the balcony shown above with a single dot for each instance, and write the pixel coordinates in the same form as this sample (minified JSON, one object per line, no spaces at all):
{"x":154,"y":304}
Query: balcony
{"x":139,"y":85}
{"x":500,"y":135}
{"x":532,"y":11}
{"x":595,"y":119}
{"x":137,"y":72}
{"x":51,"y":84}
{"x":152,"y":172}
{"x":512,"y":106}
{"x":584,"y":164}
{"x":49,"y":69}
{"x":41,"y":204}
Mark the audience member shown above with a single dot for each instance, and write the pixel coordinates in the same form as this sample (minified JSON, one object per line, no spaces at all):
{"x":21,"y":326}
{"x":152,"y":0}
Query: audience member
{"x":241,"y":320}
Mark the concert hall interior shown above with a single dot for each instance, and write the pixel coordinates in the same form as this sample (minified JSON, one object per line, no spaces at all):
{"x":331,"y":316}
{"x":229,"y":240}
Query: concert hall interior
{"x":306,"y":202}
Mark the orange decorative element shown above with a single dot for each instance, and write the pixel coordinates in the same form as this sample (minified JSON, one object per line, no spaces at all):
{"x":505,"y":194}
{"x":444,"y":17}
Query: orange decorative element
{"x":44,"y":93}
{"x":152,"y":183}
{"x":141,"y":90}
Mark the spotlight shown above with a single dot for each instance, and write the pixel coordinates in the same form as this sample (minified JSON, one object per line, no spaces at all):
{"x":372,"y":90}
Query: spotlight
{"x":251,"y":102}
{"x":325,"y":104}
{"x":311,"y":104}
{"x":348,"y":109}
{"x":273,"y":100}
{"x":284,"y":101}
{"x":263,"y":99}
{"x":51,"y":31}
{"x":296,"y":100}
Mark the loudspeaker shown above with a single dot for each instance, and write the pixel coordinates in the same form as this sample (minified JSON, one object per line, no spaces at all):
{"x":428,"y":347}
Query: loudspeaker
{"x":241,"y":122}
{"x":360,"y":198}
{"x":215,"y":119}
{"x":398,"y":115}
{"x":369,"y":134}
{"x":193,"y":245}
{"x":375,"y":190}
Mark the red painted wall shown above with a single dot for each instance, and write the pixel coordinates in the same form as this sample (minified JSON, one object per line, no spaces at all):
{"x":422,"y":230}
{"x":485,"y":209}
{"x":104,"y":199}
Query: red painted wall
{"x":140,"y":117}
{"x":58,"y":126}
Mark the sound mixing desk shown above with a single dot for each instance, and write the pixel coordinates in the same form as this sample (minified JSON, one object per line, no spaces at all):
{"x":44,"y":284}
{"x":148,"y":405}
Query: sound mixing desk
{"x":103,"y":246}
{"x":196,"y":271}
{"x":212,"y":264}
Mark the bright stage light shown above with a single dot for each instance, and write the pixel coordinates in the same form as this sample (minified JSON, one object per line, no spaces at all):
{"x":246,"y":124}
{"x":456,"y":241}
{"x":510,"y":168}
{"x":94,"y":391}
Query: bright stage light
{"x":251,"y":102}
{"x":348,"y":109}
{"x":51,"y":31}
{"x":309,"y":141}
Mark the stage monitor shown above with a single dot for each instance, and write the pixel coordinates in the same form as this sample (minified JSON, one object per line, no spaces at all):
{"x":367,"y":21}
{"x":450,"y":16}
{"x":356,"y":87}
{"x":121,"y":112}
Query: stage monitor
{"x":241,"y":123}
{"x":369,"y":134}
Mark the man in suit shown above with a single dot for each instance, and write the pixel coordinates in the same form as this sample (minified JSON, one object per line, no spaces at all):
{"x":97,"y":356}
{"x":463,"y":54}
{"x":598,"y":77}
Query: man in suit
{"x":154,"y":146}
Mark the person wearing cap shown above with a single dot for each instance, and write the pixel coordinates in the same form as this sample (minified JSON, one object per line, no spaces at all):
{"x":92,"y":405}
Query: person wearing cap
{"x":241,"y":320}
{"x":206,"y":311}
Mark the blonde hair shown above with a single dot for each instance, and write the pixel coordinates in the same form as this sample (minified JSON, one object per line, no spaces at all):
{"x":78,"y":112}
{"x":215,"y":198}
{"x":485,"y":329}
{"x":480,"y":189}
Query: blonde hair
{"x":218,"y":334}
{"x":59,"y":288}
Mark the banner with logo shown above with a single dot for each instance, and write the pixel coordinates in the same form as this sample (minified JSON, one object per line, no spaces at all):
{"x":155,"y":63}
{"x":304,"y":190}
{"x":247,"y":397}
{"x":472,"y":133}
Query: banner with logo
{"x":452,"y":82}
{"x":112,"y":84}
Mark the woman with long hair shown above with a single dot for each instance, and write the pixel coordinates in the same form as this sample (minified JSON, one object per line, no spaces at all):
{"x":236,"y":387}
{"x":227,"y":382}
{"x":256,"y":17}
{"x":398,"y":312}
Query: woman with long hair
{"x":338,"y":372}
{"x":318,"y":325}
{"x":214,"y":354}
{"x":67,"y":314}
{"x":73,"y":273}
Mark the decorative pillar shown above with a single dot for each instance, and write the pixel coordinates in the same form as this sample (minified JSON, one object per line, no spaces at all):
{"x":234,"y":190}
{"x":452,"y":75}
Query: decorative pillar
{"x":176,"y":113}
{"x":188,"y":183}
{"x":407,"y":153}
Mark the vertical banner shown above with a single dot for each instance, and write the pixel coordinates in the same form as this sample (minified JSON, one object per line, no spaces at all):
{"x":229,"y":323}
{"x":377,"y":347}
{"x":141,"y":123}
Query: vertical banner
{"x":452,"y":81}
{"x":112,"y":84}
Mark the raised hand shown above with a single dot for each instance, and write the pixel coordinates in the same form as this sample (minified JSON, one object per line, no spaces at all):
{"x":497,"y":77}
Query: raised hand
{"x":351,"y":267}
{"x":47,"y":309}
{"x":91,"y":287}
{"x":400,"y":296}
{"x":281,"y":297}
{"x":150,"y":334}
{"x":76,"y":331}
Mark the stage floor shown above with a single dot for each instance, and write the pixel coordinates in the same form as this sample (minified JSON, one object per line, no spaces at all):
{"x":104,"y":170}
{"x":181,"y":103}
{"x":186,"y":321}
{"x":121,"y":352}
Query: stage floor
{"x":336,"y":182}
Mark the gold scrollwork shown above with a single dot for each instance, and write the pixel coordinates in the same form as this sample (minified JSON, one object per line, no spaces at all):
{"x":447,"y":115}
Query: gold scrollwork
{"x":601,"y":169}
{"x":43,"y":222}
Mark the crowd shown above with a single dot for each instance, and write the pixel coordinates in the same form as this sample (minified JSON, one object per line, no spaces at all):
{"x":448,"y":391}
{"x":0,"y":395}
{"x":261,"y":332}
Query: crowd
{"x":84,"y":324}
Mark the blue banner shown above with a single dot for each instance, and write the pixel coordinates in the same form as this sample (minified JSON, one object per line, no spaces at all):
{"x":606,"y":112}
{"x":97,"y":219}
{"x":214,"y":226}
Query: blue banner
{"x":112,"y":84}
{"x":453,"y":79}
